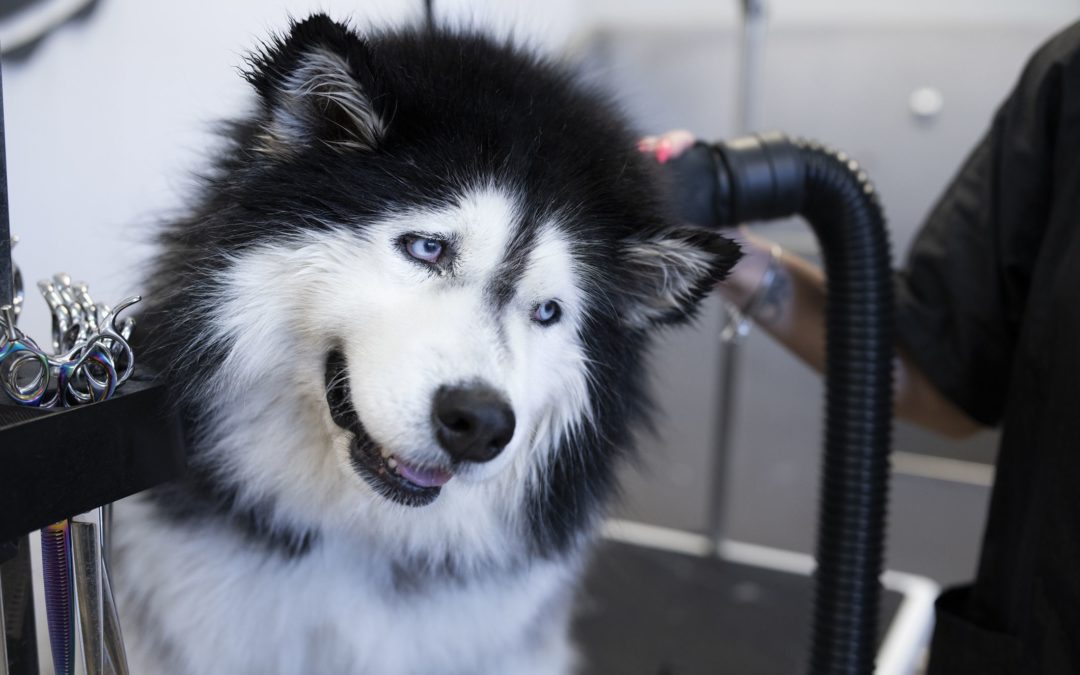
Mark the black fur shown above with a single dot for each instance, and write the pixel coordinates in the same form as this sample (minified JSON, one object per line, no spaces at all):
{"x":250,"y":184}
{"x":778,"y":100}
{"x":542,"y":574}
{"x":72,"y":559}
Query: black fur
{"x":456,"y":111}
{"x":203,"y":497}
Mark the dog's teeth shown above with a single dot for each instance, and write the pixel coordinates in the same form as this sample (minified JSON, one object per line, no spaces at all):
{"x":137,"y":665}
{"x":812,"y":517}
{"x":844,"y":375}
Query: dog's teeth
{"x":391,"y":462}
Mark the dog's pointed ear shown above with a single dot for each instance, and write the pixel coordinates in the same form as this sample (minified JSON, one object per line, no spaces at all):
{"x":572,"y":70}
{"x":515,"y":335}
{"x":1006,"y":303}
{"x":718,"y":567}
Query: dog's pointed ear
{"x":315,"y":84}
{"x":672,"y":270}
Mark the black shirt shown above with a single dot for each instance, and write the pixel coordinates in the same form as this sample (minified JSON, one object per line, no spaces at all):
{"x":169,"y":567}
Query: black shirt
{"x":989,"y":308}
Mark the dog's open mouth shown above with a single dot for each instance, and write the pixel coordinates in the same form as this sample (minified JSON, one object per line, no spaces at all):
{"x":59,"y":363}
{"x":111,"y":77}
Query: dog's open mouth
{"x":390,"y":476}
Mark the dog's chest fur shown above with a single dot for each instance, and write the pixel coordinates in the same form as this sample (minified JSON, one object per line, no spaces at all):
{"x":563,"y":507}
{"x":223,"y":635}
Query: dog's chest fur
{"x":334,"y":609}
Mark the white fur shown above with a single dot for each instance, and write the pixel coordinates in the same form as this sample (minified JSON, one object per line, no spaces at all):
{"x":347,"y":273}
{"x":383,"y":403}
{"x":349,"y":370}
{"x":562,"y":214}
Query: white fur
{"x":405,"y":332}
{"x":335,"y":612}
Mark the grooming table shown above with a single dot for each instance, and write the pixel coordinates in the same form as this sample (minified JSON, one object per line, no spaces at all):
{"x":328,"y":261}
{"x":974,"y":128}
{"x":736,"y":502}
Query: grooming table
{"x":656,"y":603}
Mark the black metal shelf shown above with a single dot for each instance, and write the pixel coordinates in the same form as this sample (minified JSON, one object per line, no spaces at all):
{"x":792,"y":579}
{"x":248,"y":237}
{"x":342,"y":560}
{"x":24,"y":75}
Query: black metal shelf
{"x":55,"y":463}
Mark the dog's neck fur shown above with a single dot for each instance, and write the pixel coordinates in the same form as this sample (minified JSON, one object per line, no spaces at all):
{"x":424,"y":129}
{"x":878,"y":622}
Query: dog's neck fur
{"x":200,"y":497}
{"x":347,"y":609}
{"x":360,"y":599}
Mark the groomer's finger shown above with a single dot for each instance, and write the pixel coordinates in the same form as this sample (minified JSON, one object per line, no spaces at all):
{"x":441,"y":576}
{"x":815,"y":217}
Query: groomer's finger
{"x":672,"y":144}
{"x":667,"y":145}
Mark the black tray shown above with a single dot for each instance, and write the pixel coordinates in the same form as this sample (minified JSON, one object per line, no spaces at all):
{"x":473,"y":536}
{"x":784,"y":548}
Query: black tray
{"x":60,"y":462}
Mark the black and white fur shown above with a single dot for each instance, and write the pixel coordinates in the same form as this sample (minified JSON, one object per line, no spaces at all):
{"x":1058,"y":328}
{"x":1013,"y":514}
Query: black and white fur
{"x":305,"y":343}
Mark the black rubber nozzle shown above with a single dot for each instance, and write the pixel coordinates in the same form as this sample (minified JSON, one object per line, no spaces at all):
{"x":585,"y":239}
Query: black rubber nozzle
{"x":760,"y":177}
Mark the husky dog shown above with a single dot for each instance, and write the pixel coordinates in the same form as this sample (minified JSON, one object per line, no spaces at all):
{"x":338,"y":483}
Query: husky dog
{"x":405,"y":324}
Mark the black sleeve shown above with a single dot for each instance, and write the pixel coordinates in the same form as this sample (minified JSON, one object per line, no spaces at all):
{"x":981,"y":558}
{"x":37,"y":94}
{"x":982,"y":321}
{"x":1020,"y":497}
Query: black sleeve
{"x":962,"y":294}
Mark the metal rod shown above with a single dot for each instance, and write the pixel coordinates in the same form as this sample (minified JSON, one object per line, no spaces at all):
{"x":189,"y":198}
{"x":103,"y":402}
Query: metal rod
{"x":751,"y":52}
{"x":3,"y":636}
{"x":751,"y":46}
{"x":115,"y":655}
{"x":7,"y":275}
{"x":16,"y":580}
{"x":86,"y":558}
{"x":7,"y":297}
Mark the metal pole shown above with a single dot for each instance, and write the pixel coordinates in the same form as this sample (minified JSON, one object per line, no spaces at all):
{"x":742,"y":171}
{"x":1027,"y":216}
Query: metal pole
{"x":751,"y":47}
{"x":751,"y":52}
{"x":7,"y":296}
{"x":3,"y":635}
{"x":7,"y":291}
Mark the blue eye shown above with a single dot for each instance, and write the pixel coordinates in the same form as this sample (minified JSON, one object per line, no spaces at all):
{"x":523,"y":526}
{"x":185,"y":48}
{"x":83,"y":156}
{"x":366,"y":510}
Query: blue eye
{"x":547,"y":313}
{"x":424,"y":248}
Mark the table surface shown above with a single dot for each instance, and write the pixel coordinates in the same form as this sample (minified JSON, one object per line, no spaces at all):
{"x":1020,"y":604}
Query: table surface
{"x":648,"y":611}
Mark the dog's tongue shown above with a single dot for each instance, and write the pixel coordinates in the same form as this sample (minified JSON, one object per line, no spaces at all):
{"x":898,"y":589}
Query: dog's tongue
{"x":422,"y":476}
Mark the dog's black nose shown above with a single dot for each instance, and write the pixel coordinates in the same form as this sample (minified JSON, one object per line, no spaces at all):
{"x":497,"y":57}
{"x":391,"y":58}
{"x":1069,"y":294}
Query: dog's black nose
{"x":472,"y":423}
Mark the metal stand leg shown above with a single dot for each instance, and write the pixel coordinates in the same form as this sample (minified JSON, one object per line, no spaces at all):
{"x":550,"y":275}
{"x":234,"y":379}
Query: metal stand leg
{"x":7,"y":272}
{"x":3,"y":635}
{"x":17,"y":613}
{"x":87,"y":560}
{"x":751,"y":49}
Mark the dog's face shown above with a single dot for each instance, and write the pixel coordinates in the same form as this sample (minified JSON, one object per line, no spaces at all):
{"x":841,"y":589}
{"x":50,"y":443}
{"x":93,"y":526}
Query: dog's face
{"x":428,"y":270}
{"x":458,"y":344}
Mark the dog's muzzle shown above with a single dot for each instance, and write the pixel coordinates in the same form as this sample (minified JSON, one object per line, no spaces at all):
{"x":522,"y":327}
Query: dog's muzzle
{"x":472,"y":423}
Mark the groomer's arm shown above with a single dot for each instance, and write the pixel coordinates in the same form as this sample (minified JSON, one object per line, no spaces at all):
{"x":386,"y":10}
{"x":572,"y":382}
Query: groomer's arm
{"x":791,"y":308}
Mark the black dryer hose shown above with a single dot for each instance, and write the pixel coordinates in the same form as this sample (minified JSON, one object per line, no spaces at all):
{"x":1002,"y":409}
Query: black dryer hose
{"x":765,"y":177}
